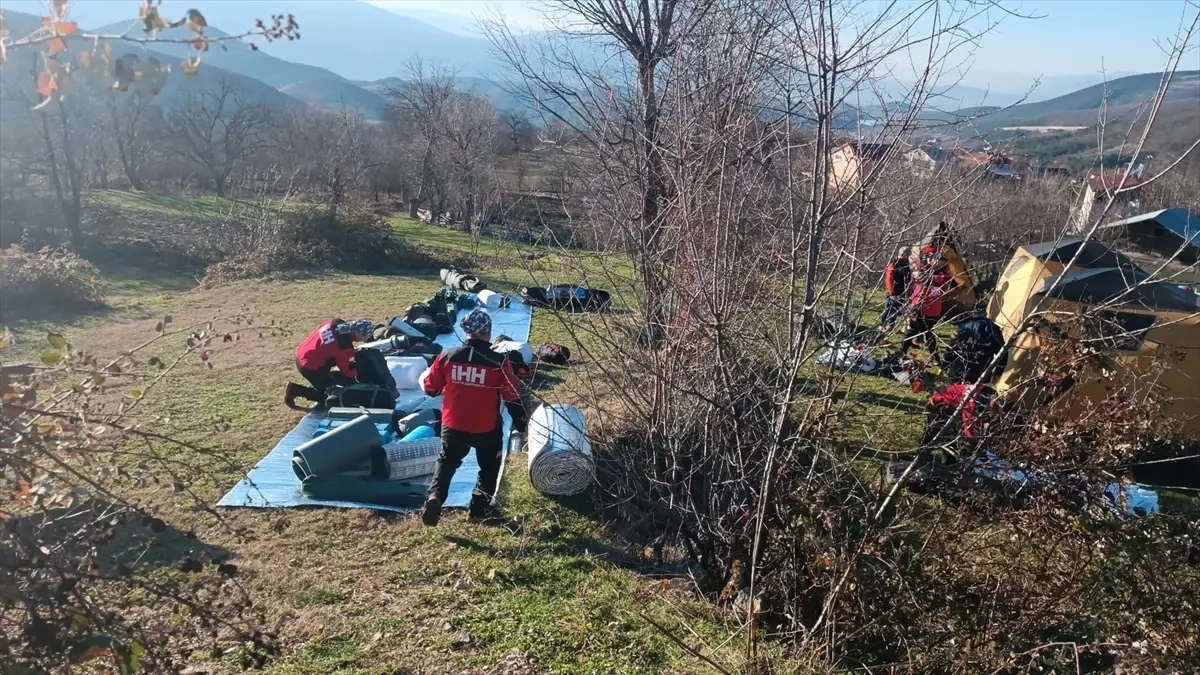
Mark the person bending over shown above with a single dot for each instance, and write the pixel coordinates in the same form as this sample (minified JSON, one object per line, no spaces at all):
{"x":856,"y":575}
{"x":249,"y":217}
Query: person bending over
{"x":330,"y":345}
{"x":969,"y":354}
{"x":473,"y":381}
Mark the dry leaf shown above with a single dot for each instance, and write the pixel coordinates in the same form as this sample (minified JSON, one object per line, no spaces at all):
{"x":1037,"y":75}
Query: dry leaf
{"x":191,"y":65}
{"x":65,"y":27}
{"x":47,"y":84}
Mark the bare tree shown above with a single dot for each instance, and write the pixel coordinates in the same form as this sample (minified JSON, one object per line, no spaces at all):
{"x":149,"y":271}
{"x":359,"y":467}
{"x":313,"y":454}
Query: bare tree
{"x":470,"y":156}
{"x":421,"y":104}
{"x":135,"y":123}
{"x":217,"y":129}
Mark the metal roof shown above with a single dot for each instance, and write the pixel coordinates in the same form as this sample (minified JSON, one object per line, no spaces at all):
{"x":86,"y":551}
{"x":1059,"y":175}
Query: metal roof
{"x":1094,"y":254}
{"x":1182,"y":222}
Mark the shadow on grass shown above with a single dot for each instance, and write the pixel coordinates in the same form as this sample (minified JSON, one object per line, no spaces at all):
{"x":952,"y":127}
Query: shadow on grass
{"x":897,"y":403}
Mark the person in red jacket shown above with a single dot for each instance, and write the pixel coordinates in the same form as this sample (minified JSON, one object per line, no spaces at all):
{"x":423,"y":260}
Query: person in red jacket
{"x":933,"y":278}
{"x":330,"y":345}
{"x":473,"y":381}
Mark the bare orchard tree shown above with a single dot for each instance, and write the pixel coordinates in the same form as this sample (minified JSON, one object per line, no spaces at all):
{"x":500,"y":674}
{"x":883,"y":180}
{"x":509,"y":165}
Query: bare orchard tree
{"x":708,"y":141}
{"x":470,"y":157}
{"x":331,"y":151}
{"x":618,"y":115}
{"x":135,"y":124}
{"x":421,"y":105}
{"x":217,"y":129}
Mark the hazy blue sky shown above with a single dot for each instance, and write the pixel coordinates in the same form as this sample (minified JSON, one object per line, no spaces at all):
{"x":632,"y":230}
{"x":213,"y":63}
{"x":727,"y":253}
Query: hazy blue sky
{"x":1075,"y":37}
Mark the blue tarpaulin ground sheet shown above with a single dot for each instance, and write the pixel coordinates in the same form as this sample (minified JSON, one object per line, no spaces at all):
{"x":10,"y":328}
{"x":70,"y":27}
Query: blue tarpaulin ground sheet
{"x":272,"y":483}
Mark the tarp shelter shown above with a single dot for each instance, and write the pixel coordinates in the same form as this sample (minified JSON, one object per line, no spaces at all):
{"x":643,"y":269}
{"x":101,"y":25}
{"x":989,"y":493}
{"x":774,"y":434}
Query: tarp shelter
{"x":1145,"y":321}
{"x":1172,"y":233}
{"x":962,"y":298}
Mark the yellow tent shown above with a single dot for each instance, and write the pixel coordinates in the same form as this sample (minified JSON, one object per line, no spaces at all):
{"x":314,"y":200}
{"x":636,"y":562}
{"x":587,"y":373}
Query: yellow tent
{"x":1143,"y":321}
{"x":961,"y":298}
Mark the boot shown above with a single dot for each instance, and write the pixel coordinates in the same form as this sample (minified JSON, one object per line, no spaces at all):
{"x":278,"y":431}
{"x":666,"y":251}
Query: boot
{"x":432,"y":512}
{"x":295,"y":391}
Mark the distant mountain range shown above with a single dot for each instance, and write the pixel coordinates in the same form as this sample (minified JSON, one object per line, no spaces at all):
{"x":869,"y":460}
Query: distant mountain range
{"x":350,"y":52}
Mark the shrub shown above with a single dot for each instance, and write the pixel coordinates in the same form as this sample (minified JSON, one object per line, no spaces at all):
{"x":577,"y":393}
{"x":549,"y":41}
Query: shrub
{"x":30,"y":281}
{"x":357,"y":240}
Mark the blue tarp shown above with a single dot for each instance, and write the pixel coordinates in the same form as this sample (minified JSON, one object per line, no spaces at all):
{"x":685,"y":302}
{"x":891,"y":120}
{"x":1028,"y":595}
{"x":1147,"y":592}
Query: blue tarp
{"x":273,"y":484}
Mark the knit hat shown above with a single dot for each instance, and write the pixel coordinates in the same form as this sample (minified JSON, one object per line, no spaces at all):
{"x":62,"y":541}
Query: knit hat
{"x":478,"y":322}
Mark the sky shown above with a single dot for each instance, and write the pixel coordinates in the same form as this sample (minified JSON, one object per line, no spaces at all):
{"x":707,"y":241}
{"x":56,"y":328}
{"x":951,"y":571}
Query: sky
{"x":1071,"y":37}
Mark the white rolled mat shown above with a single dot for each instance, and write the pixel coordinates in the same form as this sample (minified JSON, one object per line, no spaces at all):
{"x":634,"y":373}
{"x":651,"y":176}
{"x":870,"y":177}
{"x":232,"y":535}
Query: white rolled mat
{"x":406,"y":370}
{"x":560,"y":454}
{"x":522,"y":348}
{"x":411,"y":459}
{"x":489,"y":299}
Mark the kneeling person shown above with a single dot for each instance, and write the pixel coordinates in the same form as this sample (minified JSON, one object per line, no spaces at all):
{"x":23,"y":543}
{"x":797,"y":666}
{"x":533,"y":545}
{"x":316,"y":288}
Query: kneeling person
{"x":473,"y":381}
{"x":330,"y":345}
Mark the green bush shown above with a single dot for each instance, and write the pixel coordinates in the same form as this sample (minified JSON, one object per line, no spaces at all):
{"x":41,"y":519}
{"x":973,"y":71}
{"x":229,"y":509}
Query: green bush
{"x":355,"y":241}
{"x":45,"y":279}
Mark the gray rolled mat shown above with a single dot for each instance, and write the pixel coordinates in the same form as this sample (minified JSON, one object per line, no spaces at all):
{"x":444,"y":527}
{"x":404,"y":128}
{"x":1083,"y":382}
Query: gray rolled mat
{"x":341,"y":449}
{"x":346,"y":488}
{"x":420,"y":418}
{"x":560,"y":454}
{"x":378,"y":415}
{"x":412,"y":458}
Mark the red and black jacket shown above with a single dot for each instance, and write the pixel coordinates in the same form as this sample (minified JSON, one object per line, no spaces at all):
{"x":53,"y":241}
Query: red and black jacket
{"x":325,"y":348}
{"x":473,"y":380}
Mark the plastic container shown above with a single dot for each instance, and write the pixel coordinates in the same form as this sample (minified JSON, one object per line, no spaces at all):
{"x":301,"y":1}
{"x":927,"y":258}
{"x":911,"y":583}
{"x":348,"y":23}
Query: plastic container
{"x":341,"y":449}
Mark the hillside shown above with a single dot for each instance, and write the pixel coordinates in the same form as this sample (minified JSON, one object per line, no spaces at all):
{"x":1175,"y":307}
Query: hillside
{"x":331,"y":94}
{"x":253,"y":90}
{"x":349,"y":37}
{"x":233,"y":56}
{"x":1080,"y":108}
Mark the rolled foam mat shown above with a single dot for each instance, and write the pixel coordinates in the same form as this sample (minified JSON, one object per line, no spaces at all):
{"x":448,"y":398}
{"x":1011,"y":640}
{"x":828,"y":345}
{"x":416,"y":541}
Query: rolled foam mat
{"x":341,"y":449}
{"x":394,"y":494}
{"x":272,"y":483}
{"x":560,"y":454}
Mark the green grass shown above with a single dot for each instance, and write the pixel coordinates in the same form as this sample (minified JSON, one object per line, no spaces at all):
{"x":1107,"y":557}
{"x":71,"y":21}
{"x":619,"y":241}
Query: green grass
{"x":205,"y":206}
{"x":356,"y":592}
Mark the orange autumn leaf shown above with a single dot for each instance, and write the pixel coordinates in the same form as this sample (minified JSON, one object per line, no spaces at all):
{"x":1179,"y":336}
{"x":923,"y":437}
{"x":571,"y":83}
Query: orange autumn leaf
{"x":57,"y":46}
{"x":65,"y":27}
{"x":46,"y":84}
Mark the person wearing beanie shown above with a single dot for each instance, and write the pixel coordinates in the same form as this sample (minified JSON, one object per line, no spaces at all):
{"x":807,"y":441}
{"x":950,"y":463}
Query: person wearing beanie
{"x":473,"y":380}
{"x":330,"y":345}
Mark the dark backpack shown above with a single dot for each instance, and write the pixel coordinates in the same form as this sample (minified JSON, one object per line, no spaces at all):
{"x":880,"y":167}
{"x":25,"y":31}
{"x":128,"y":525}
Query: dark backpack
{"x":374,"y":386}
{"x":554,"y":354}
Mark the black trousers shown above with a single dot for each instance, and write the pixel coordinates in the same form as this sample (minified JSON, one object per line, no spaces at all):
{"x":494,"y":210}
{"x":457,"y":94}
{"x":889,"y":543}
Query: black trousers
{"x":921,"y":327}
{"x":321,"y":380}
{"x":489,"y":451}
{"x":893,"y":308}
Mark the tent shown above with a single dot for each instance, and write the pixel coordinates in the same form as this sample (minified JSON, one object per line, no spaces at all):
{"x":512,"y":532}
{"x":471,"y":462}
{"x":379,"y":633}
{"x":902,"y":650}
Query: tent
{"x":963,"y":296}
{"x":1143,"y":321}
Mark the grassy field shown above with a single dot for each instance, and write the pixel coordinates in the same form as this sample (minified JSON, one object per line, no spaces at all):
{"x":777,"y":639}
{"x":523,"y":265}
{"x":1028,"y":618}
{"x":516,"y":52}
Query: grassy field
{"x":362,"y":592}
{"x":355,"y":591}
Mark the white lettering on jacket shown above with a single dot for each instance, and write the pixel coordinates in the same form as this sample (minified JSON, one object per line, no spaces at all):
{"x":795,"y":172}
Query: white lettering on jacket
{"x":468,"y":374}
{"x":327,"y":335}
